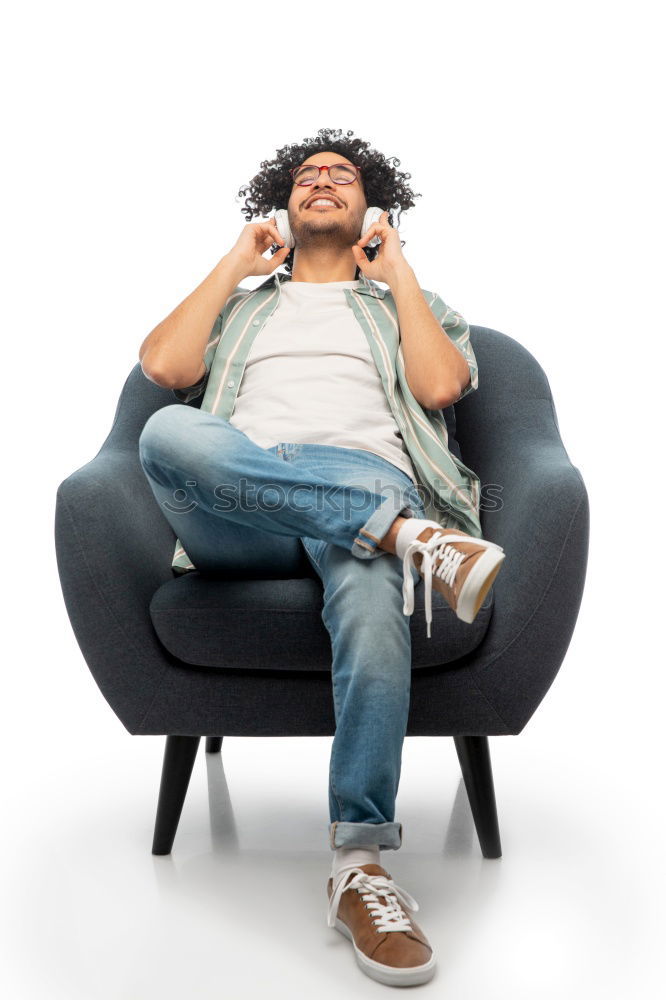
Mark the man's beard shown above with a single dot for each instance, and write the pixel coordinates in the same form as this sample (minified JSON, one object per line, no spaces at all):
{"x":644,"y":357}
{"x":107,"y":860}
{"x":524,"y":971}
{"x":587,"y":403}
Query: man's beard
{"x":340,"y":233}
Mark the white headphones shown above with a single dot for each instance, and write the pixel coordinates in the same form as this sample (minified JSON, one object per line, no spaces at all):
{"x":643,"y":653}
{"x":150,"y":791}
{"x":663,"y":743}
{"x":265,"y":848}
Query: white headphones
{"x":371,"y":216}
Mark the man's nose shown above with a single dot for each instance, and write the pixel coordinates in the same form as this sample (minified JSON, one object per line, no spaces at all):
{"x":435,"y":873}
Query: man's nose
{"x":324,"y":185}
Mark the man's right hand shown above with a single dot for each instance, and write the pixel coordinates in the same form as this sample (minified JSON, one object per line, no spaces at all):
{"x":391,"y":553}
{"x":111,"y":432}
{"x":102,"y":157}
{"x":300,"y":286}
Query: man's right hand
{"x":246,"y":256}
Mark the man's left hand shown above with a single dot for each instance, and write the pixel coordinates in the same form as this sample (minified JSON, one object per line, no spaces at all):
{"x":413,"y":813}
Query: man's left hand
{"x":389,"y":260}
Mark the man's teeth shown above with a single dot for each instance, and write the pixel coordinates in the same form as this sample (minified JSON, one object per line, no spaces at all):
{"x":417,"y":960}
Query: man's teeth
{"x":322,"y":201}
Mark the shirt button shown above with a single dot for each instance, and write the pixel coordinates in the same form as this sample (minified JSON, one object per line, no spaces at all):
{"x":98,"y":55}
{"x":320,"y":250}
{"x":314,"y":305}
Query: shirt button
{"x":255,"y":322}
{"x":231,"y":383}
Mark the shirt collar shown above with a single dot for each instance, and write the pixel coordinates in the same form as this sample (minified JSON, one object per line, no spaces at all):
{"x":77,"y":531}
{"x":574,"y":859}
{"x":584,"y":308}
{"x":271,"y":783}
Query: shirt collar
{"x":367,"y":286}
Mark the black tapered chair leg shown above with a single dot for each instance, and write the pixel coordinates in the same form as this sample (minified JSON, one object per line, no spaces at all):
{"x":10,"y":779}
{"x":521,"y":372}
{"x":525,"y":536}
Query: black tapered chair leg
{"x":474,"y":756}
{"x":179,"y":755}
{"x":213,"y":744}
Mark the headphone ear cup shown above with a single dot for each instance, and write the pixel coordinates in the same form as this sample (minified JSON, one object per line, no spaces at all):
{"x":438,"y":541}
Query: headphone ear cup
{"x":371,"y":216}
{"x":283,"y":227}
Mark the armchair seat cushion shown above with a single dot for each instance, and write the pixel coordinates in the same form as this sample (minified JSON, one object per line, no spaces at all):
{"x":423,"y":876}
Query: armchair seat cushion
{"x":276,"y":624}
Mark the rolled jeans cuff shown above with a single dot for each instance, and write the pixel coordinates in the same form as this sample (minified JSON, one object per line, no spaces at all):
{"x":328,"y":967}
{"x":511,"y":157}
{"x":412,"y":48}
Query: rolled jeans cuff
{"x":365,"y":545}
{"x":388,"y":836}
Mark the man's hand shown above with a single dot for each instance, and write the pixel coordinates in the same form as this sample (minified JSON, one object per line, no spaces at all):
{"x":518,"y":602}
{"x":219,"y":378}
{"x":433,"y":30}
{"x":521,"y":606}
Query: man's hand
{"x":389,"y":260}
{"x":246,"y":255}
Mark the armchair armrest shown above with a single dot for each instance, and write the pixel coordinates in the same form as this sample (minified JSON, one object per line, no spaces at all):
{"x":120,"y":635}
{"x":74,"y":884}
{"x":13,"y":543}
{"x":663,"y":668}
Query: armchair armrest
{"x":542,"y":522}
{"x":113,"y":550}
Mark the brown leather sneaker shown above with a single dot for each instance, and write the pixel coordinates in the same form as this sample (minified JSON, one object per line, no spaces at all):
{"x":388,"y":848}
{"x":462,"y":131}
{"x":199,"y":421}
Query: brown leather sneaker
{"x":389,"y":946}
{"x":459,"y":566}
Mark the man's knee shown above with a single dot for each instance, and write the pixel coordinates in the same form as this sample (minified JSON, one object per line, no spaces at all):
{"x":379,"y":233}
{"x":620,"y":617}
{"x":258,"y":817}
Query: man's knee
{"x":162,"y":428}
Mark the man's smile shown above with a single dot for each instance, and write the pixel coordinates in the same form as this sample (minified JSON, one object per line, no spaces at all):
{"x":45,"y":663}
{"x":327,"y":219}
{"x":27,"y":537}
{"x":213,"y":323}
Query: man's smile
{"x":323,"y":205}
{"x":323,"y":197}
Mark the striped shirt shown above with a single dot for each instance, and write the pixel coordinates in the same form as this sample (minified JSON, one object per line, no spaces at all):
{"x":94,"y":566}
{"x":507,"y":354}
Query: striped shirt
{"x":450,"y":491}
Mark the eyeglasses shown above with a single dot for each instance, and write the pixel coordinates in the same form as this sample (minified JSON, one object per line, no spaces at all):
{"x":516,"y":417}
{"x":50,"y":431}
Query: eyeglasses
{"x":339,"y":173}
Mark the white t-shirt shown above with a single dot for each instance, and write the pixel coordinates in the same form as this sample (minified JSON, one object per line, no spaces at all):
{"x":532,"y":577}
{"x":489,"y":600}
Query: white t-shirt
{"x":310,"y":378}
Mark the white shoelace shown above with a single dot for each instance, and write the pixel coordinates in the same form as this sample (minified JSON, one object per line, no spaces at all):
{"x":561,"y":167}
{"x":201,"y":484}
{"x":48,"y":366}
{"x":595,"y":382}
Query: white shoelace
{"x":388,"y":916}
{"x":436,"y":547}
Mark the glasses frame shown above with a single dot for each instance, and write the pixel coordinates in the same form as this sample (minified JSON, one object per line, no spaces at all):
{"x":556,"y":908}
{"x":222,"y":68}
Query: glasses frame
{"x":324,"y":167}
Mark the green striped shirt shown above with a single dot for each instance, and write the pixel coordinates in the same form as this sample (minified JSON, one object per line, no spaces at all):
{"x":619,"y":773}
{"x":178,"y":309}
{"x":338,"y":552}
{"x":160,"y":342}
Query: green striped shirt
{"x":449,"y":489}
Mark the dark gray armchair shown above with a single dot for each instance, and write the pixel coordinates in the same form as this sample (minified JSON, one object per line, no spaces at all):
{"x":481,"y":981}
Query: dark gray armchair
{"x":191,"y":656}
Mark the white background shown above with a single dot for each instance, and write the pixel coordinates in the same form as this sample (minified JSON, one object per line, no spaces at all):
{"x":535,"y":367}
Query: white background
{"x":533,"y":132}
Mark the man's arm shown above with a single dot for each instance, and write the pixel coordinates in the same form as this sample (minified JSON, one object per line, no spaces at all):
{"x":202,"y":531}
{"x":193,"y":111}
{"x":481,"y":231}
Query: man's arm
{"x":172,"y":354}
{"x":184,"y":393}
{"x":437,"y":371}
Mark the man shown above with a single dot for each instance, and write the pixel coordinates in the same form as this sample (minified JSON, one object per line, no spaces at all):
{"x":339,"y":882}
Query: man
{"x":316,"y":424}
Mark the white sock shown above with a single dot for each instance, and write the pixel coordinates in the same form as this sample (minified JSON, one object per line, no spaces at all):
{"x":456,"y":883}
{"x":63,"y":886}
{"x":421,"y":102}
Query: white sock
{"x":410,"y":529}
{"x":354,"y":856}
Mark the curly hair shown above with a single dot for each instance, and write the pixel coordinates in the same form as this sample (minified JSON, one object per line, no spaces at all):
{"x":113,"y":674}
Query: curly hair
{"x":382,"y":184}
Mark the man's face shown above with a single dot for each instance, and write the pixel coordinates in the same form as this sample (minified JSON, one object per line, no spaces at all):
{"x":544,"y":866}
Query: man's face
{"x":326,"y":225}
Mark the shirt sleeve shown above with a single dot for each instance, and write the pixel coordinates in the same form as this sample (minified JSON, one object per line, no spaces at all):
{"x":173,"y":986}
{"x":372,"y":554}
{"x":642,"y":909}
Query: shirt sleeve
{"x":457,"y":329}
{"x":189,"y":392}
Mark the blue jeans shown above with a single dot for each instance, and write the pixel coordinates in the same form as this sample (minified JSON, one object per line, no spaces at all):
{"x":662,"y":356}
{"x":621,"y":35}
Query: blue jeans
{"x":253,"y":508}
